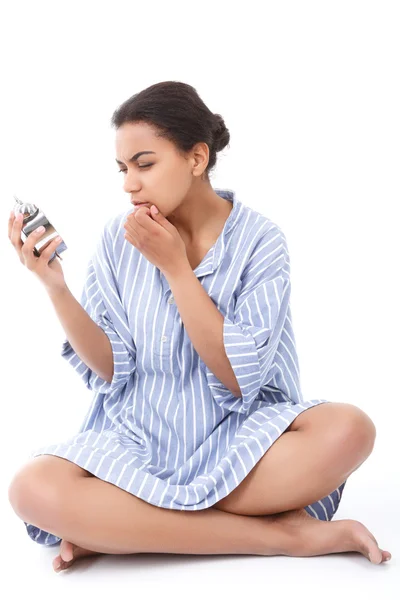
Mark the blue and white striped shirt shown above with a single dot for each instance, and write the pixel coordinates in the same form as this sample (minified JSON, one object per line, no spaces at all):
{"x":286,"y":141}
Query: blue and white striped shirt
{"x":165,"y":428}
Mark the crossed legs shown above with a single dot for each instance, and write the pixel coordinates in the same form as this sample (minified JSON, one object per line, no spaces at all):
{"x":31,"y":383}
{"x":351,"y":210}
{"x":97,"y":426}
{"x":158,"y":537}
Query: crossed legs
{"x":58,"y":496}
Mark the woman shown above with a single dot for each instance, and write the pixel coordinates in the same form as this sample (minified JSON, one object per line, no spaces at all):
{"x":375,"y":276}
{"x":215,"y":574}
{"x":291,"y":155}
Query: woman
{"x":184,"y":335}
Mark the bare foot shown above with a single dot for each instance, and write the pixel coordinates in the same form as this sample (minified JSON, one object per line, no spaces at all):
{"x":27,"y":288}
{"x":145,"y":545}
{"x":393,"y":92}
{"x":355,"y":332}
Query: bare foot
{"x":68,"y":554}
{"x":311,"y":537}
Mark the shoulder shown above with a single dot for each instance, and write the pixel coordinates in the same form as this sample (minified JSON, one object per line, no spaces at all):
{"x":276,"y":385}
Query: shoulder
{"x":110,"y":241}
{"x":113,"y":227}
{"x":268,"y":253}
{"x":260,"y":226}
{"x":267,"y":237}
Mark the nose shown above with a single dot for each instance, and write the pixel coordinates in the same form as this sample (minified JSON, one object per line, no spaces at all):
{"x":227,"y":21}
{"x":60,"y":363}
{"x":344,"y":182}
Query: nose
{"x":131,"y":184}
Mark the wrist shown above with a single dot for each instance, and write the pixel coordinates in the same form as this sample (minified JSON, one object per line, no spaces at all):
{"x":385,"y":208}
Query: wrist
{"x":179,"y":271}
{"x":55,"y":291}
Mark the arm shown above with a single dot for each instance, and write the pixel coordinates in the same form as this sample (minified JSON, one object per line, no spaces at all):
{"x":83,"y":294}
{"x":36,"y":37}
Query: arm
{"x":204,"y":324}
{"x":253,"y":329}
{"x":86,"y":337}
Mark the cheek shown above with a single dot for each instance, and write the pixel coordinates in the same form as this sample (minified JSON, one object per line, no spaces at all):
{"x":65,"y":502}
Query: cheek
{"x":168,"y":186}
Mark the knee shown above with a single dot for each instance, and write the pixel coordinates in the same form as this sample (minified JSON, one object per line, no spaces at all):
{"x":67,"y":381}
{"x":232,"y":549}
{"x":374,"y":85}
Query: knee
{"x":32,"y":494}
{"x":355,"y":430}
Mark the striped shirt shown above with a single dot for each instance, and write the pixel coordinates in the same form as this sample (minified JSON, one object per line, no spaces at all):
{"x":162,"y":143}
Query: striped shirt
{"x":165,"y":429}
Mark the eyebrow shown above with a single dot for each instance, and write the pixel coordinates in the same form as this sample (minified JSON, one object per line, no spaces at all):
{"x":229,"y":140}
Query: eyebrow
{"x":136,"y":156}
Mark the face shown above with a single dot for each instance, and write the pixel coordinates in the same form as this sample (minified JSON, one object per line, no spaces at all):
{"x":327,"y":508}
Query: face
{"x":165,"y":177}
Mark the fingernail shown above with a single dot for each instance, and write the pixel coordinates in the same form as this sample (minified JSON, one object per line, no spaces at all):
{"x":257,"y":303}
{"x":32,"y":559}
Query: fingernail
{"x":40,"y":229}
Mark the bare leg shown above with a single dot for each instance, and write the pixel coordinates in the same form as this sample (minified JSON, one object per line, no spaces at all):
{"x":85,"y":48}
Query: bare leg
{"x":112,"y":521}
{"x":318,"y":452}
{"x":135,"y":526}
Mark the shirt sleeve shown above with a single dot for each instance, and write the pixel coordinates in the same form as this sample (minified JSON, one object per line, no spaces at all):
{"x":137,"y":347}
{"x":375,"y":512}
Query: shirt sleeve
{"x":252,"y":333}
{"x":100,"y":299}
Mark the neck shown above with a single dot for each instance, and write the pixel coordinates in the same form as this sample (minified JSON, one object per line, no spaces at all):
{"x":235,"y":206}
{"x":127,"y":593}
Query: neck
{"x":198,"y":218}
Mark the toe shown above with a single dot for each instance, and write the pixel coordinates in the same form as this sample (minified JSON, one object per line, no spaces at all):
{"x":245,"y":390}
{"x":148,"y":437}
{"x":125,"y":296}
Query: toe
{"x":66,"y":551}
{"x":377,"y":556}
{"x":371,"y":550}
{"x":58,"y":563}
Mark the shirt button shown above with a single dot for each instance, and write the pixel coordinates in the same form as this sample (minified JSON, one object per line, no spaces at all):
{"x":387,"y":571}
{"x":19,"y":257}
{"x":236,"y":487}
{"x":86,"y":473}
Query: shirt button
{"x":164,"y":338}
{"x":171,"y":300}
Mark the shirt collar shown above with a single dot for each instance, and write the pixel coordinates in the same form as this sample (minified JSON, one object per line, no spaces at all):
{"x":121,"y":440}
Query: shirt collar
{"x":216,"y":254}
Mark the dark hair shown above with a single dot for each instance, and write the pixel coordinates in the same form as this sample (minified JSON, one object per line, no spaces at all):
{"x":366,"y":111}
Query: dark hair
{"x":178,"y":114}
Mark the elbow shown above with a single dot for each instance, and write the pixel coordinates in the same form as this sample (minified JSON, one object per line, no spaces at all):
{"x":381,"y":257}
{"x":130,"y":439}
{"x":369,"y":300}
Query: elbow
{"x":232,"y":383}
{"x":235,"y":388}
{"x":108,"y":377}
{"x":237,"y":392}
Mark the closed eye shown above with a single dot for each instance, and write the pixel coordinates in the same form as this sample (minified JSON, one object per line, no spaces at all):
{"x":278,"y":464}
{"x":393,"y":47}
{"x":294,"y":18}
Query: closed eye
{"x":140,"y":167}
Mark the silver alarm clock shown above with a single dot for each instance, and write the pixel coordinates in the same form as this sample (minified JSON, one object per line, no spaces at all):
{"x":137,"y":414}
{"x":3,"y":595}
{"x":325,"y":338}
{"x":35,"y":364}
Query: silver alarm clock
{"x":34,"y":218}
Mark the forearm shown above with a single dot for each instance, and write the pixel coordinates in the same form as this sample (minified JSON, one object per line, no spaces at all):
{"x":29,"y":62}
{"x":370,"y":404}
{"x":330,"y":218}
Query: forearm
{"x":86,"y":337}
{"x":204,"y":325}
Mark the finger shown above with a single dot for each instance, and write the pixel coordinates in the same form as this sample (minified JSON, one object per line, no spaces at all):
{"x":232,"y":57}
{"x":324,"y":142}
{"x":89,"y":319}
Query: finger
{"x":143,"y":227}
{"x":10,"y":223}
{"x":132,"y":227}
{"x":15,"y":235}
{"x":131,"y":238}
{"x":50,"y":248}
{"x":132,"y":218}
{"x":31,"y":241}
{"x":143,"y":209}
{"x":143,"y":224}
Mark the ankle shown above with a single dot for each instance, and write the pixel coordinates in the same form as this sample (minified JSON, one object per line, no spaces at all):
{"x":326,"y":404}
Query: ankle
{"x":276,"y":539}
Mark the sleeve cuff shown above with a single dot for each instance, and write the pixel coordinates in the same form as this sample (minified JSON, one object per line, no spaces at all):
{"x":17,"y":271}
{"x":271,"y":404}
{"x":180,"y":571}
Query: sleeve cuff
{"x":241,"y":350}
{"x":124,"y":365}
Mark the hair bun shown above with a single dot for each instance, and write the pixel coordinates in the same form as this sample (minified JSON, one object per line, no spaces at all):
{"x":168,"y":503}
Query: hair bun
{"x":221,"y":133}
{"x":219,"y":125}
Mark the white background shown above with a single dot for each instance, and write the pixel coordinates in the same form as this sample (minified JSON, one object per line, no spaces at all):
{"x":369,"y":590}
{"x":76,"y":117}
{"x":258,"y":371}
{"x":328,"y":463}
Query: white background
{"x":310,"y":93}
